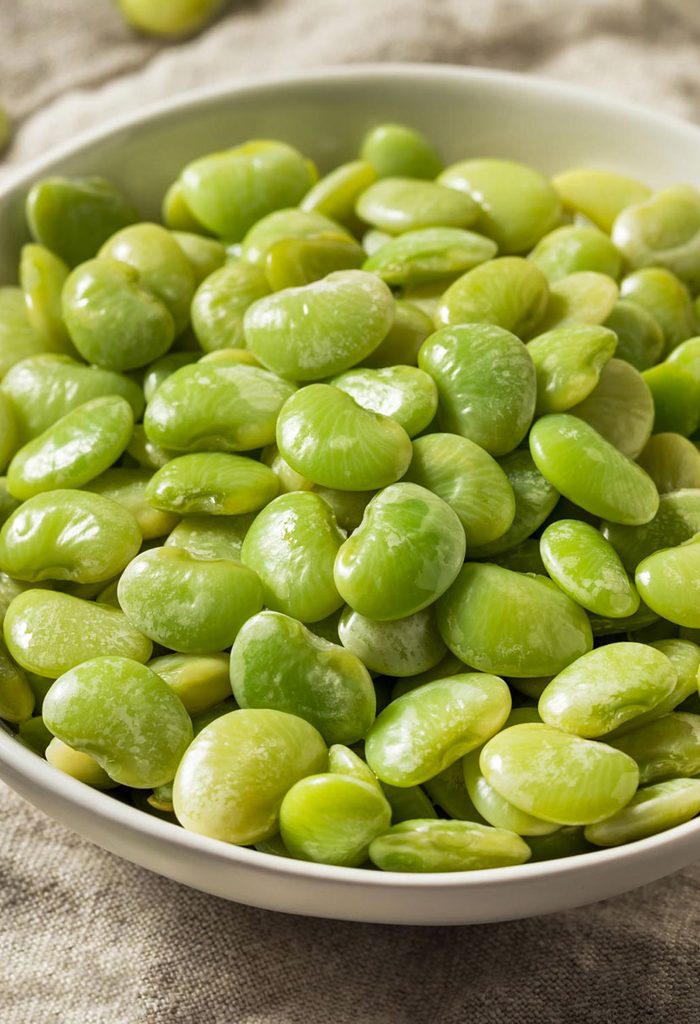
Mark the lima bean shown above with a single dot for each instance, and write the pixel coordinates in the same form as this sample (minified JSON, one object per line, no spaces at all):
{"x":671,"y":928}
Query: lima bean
{"x":276,"y":662}
{"x":124,"y":716}
{"x":233,"y":777}
{"x":189,"y":605}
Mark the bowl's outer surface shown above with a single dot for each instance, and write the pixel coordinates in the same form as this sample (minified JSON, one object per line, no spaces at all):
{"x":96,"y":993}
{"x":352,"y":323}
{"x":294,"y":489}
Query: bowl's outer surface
{"x":325,"y":113}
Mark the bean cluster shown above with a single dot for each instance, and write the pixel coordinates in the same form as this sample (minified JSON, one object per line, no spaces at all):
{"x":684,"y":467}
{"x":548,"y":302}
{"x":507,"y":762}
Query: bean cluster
{"x":356,"y":518}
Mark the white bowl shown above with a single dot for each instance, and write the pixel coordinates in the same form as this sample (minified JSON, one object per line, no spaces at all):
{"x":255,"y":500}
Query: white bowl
{"x":325,"y":113}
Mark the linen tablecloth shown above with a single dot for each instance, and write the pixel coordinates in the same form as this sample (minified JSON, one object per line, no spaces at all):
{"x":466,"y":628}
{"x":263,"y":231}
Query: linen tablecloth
{"x":89,"y":939}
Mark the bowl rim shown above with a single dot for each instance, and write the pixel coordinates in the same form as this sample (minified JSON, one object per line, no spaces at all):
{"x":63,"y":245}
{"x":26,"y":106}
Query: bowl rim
{"x":107,"y":808}
{"x":23,"y":763}
{"x":190,"y":99}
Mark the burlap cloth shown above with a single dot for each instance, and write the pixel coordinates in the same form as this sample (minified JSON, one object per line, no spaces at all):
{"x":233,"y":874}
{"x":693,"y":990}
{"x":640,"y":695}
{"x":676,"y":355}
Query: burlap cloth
{"x":90,"y":939}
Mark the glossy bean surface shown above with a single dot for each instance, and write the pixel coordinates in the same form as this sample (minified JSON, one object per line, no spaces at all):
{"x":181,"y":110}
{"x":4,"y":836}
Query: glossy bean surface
{"x":425,"y":731}
{"x":233,"y":777}
{"x":559,"y":777}
{"x":278,"y":663}
{"x":505,"y":622}
{"x":123,"y":715}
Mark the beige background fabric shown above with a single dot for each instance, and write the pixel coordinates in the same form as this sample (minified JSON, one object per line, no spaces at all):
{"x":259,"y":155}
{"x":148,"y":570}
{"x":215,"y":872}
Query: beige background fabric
{"x":88,"y":939}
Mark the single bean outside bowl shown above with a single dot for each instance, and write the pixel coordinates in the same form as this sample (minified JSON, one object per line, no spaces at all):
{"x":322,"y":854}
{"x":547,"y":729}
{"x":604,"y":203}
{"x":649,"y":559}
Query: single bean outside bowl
{"x":257,"y":452}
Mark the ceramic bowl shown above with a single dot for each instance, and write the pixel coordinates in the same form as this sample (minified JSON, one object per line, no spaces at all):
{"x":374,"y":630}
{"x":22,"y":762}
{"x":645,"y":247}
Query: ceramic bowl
{"x":325,"y":113}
